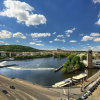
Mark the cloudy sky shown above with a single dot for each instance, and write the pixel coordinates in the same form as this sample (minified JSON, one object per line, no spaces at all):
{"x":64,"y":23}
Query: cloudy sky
{"x":51,"y":24}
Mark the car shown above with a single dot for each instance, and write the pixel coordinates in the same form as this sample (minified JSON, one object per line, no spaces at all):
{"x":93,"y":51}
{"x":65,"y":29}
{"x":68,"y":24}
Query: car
{"x":4,"y":91}
{"x":84,"y":96}
{"x":88,"y":93}
{"x":13,"y":78}
{"x":12,"y":87}
{"x":91,"y":89}
{"x":98,"y":82}
{"x":96,"y":86}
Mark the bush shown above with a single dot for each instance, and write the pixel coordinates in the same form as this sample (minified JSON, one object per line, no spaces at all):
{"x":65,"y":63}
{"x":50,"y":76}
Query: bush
{"x":83,"y":57}
{"x":64,"y":70}
{"x":23,"y":57}
{"x":72,"y":64}
{"x":70,"y":57}
{"x":60,"y":55}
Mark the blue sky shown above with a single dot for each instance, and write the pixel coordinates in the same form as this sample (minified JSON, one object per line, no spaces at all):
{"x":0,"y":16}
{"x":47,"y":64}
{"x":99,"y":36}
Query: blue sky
{"x":51,"y":24}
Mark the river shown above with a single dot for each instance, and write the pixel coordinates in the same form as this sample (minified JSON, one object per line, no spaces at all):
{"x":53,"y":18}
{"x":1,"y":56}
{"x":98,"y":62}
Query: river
{"x":40,"y":70}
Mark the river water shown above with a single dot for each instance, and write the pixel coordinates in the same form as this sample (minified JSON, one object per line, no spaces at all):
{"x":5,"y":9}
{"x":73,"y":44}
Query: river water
{"x":40,"y":70}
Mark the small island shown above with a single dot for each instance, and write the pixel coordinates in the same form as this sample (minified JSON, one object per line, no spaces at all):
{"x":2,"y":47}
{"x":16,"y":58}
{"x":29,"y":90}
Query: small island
{"x":74,"y":63}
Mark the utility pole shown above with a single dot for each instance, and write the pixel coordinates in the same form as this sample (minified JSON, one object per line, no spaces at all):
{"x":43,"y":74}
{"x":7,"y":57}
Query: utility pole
{"x":68,"y":92}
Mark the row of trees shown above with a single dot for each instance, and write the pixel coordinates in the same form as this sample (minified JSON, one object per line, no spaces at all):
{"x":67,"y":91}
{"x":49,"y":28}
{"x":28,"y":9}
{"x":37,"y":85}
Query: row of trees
{"x":73,"y":63}
{"x":61,"y":55}
{"x":23,"y":57}
{"x":3,"y":57}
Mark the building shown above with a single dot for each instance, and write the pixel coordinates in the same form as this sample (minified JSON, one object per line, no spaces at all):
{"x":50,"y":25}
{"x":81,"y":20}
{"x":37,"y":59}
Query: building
{"x":96,"y":55}
{"x":96,"y":63}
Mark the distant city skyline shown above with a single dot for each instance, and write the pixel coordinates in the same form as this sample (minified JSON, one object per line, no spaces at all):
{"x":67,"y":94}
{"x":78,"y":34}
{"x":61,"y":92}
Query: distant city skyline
{"x":51,"y":24}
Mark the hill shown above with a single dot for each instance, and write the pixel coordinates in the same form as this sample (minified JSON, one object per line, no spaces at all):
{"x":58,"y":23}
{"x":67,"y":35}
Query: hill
{"x":17,"y":48}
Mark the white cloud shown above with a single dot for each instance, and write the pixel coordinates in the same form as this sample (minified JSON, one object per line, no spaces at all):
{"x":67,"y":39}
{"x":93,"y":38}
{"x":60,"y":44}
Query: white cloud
{"x":1,"y":25}
{"x":73,"y":41}
{"x":97,"y":40}
{"x":32,"y":43}
{"x":68,"y":32}
{"x":54,"y":33}
{"x":17,"y":41}
{"x":37,"y":35}
{"x":63,"y":40}
{"x":60,"y":36}
{"x":35,"y":39}
{"x":96,"y":1}
{"x":86,"y":38}
{"x":97,"y":48}
{"x":68,"y":35}
{"x":50,"y":41}
{"x":38,"y":44}
{"x":6,"y":43}
{"x":39,"y":41}
{"x":5,"y":34}
{"x":22,"y":12}
{"x":19,"y":35}
{"x":81,"y":34}
{"x":98,"y":22}
{"x":95,"y":34}
{"x":88,"y":44}
{"x":2,"y":42}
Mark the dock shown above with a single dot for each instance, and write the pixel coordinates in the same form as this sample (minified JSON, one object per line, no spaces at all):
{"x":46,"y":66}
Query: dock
{"x":68,"y":81}
{"x":79,"y":77}
{"x":63,"y":83}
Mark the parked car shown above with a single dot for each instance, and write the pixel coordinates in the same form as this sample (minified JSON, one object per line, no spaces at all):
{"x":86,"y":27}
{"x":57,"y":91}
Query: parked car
{"x":88,"y":93}
{"x":98,"y":82}
{"x":4,"y":91}
{"x":91,"y":90}
{"x":84,"y":96}
{"x":12,"y":87}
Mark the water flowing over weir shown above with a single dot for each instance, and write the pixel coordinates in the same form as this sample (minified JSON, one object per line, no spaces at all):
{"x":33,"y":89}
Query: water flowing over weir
{"x":39,"y":71}
{"x":31,"y":68}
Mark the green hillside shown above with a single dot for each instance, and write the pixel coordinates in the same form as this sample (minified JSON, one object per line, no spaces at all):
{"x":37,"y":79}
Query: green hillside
{"x":17,"y":48}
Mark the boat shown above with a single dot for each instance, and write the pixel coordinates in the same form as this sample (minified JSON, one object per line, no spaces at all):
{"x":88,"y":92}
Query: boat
{"x":63,"y":83}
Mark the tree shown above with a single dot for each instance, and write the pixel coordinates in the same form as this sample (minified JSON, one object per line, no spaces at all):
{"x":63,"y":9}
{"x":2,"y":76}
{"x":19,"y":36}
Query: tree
{"x":83,"y":57}
{"x":70,"y":57}
{"x":75,"y":60}
{"x":73,"y":63}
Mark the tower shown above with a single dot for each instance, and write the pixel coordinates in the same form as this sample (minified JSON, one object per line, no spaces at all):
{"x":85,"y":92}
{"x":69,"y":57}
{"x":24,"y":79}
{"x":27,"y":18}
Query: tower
{"x":89,"y":59}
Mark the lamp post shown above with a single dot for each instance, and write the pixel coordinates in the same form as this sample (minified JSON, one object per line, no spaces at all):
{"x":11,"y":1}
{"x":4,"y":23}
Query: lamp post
{"x":69,"y":89}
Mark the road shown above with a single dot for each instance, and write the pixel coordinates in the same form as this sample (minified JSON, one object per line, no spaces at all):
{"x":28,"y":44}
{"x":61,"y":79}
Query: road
{"x":95,"y":95}
{"x":25,"y":90}
{"x":28,"y":91}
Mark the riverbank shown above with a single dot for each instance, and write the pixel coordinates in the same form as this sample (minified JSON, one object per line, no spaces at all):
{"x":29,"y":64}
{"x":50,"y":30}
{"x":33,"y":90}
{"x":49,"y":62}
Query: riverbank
{"x":25,"y":57}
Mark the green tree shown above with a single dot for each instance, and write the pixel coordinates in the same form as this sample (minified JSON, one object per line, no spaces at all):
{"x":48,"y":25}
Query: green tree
{"x":83,"y":57}
{"x":75,"y":60}
{"x":73,"y":63}
{"x":70,"y":57}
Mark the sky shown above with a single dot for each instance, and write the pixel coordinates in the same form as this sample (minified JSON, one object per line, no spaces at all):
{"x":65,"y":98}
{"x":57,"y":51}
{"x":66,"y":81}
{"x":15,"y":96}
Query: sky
{"x":51,"y":24}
